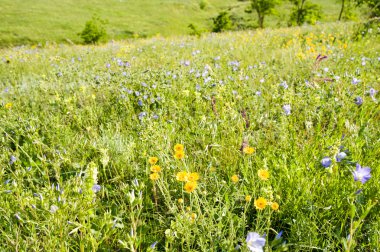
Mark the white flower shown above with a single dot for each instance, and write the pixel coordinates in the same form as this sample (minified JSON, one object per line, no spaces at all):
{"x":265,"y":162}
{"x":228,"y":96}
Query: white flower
{"x":255,"y":242}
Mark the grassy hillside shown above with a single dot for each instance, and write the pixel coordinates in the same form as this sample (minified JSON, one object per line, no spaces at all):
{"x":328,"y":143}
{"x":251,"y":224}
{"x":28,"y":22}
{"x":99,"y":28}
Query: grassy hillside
{"x":33,"y":21}
{"x":80,"y":125}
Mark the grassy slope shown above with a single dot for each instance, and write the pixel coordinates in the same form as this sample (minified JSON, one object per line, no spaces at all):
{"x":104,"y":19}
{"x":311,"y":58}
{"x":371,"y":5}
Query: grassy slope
{"x":29,"y":21}
{"x":70,"y":109}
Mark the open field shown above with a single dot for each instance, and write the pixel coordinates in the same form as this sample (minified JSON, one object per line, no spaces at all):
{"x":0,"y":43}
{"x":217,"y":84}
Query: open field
{"x":33,"y":22}
{"x":81,"y":123}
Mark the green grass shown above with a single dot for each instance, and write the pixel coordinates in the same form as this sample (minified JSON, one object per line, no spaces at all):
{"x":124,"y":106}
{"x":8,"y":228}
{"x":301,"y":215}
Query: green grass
{"x":72,"y":121}
{"x":33,"y":22}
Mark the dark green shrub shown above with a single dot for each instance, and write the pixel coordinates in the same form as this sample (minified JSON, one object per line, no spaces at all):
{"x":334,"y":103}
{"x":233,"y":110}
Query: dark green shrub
{"x":94,"y":30}
{"x":222,"y":22}
{"x":194,"y":31}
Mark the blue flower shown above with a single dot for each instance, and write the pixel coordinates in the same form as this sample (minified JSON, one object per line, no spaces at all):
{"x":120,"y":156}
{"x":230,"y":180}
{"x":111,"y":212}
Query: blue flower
{"x":358,"y":101}
{"x":284,"y":85}
{"x":255,"y":242}
{"x":153,"y":245}
{"x":362,"y":174}
{"x":12,"y":160}
{"x":326,"y":162}
{"x":278,"y":236}
{"x":340,"y":156}
{"x":287,"y":109}
{"x":96,"y":188}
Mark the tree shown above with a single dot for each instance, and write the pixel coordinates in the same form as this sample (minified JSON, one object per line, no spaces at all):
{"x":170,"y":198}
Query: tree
{"x":341,"y":9}
{"x":374,"y":6}
{"x":304,"y":11}
{"x":264,"y":8}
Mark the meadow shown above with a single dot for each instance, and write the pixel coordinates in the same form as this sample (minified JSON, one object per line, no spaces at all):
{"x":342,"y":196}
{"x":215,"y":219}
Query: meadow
{"x":242,"y":141}
{"x":50,"y":21}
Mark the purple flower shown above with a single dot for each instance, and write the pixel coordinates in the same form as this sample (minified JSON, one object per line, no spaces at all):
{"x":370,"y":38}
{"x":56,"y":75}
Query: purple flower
{"x":284,"y":85}
{"x":278,"y":236}
{"x":12,"y":160}
{"x":153,"y":245}
{"x":355,"y":81}
{"x":255,"y":242}
{"x":287,"y":109}
{"x":340,"y":156}
{"x":96,"y":188}
{"x":362,"y":174}
{"x":326,"y":162}
{"x":258,"y":93}
{"x":358,"y":101}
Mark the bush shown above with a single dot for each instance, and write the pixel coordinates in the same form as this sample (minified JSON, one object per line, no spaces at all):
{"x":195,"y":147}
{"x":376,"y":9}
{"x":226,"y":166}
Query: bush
{"x":194,"y":31}
{"x":94,"y":30}
{"x":203,"y":4}
{"x":222,"y":22}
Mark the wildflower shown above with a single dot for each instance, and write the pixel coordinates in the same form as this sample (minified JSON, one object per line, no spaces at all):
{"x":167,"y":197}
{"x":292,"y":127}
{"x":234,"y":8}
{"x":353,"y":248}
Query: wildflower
{"x":340,"y":156}
{"x":279,"y":235}
{"x":8,"y":105}
{"x":284,"y":85}
{"x":274,"y":206}
{"x":96,"y":188}
{"x":287,"y":109}
{"x":179,"y":155}
{"x":255,"y":242}
{"x":248,"y":198}
{"x":190,"y":186}
{"x":153,"y":160}
{"x":180,"y":201}
{"x":248,"y":150}
{"x":258,"y":93}
{"x":178,"y":148}
{"x":12,"y":160}
{"x":260,"y":203}
{"x":193,"y":216}
{"x":355,"y":81}
{"x":155,"y":168}
{"x":362,"y":174}
{"x":153,"y":245}
{"x":235,"y":178}
{"x":53,"y":209}
{"x":194,"y":176}
{"x":181,"y":176}
{"x":372,"y":93}
{"x":263,"y":174}
{"x":326,"y":162}
{"x":358,"y":101}
{"x":154,"y":176}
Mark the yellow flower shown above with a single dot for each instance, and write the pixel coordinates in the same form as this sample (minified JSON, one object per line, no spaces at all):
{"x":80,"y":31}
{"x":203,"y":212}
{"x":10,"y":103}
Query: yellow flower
{"x":180,"y":201}
{"x":8,"y":105}
{"x":194,"y":176}
{"x":235,"y":178}
{"x":275,"y":206}
{"x":179,"y":155}
{"x":260,"y":203}
{"x":193,"y":216}
{"x":155,"y":168}
{"x":263,"y":174}
{"x":181,"y":176}
{"x":190,"y":186}
{"x":154,"y":176}
{"x":248,"y":150}
{"x":178,"y":148}
{"x":153,"y":160}
{"x":248,"y":198}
